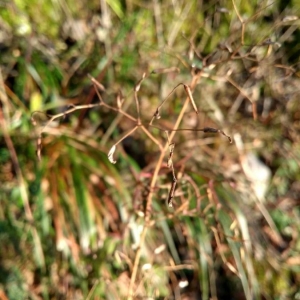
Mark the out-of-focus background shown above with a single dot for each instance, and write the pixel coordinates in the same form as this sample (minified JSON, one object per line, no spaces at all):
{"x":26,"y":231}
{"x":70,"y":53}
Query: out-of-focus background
{"x":70,"y":222}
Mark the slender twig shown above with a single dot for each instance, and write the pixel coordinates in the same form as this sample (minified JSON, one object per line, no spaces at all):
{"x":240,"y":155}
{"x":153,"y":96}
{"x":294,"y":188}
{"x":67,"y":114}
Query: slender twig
{"x":170,"y":165}
{"x":152,"y":137}
{"x":165,"y":70}
{"x":90,"y":294}
{"x":205,"y":130}
{"x":242,"y":91}
{"x":158,"y":23}
{"x":163,"y":148}
{"x":157,"y":115}
{"x":96,"y":82}
{"x":60,"y":115}
{"x":151,"y":188}
{"x":190,"y":97}
{"x":136,"y":90}
{"x":131,"y":131}
{"x":52,"y":118}
{"x":241,"y":20}
{"x":170,"y":162}
{"x":172,"y":192}
{"x":118,"y":109}
{"x":4,"y":98}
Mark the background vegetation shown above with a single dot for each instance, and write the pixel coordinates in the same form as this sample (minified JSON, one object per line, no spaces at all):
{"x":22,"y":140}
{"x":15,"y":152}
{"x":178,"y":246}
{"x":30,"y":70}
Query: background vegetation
{"x":75,"y":226}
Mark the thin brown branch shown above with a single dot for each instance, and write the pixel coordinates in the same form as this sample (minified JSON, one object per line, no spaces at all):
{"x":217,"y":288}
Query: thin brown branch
{"x":96,"y":82}
{"x":241,"y":90}
{"x":60,"y":115}
{"x":151,"y":188}
{"x":190,"y":97}
{"x":170,"y":165}
{"x":165,"y":70}
{"x":157,"y":115}
{"x":118,"y":109}
{"x":172,"y":193}
{"x":92,"y":92}
{"x":189,"y":93}
{"x":136,"y":90}
{"x":4,"y":98}
{"x":170,"y":161}
{"x":126,"y":135}
{"x":152,"y":137}
{"x":205,"y":130}
{"x":241,"y":20}
{"x":75,"y":108}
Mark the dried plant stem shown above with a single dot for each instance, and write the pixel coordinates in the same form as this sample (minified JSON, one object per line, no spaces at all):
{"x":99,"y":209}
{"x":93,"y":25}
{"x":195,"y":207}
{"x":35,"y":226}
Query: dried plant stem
{"x":4,"y":98}
{"x":60,"y":115}
{"x":205,"y":129}
{"x":96,"y":83}
{"x":152,"y":137}
{"x":189,"y":94}
{"x":119,"y":109}
{"x":170,"y":165}
{"x":126,"y":135}
{"x":163,"y":149}
{"x":113,"y":124}
{"x":136,"y":90}
{"x":241,"y":20}
{"x":151,"y":189}
{"x":243,"y":92}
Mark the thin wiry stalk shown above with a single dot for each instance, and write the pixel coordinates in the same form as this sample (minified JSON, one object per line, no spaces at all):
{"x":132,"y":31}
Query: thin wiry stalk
{"x":241,"y":90}
{"x":205,"y":129}
{"x":118,"y":109}
{"x":163,"y":149}
{"x":158,"y":23}
{"x":152,"y":138}
{"x":136,"y":90}
{"x":189,"y":94}
{"x":241,"y":20}
{"x":126,"y":135}
{"x":151,"y":188}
